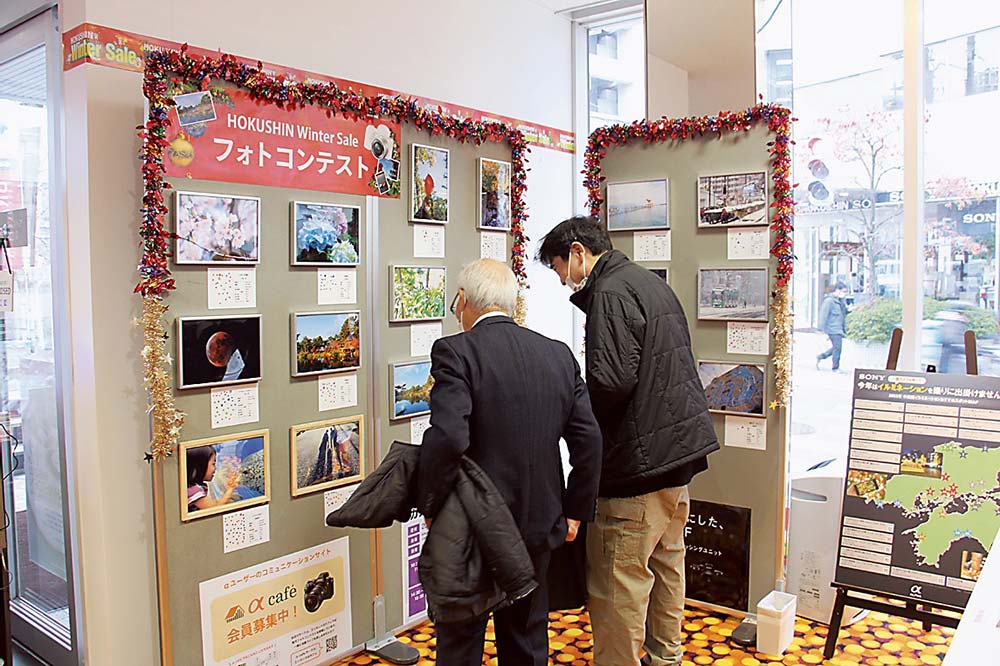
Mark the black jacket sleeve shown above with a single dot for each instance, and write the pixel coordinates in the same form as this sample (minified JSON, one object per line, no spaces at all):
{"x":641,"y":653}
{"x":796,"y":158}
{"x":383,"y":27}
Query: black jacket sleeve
{"x":583,"y":439}
{"x":614,"y":332}
{"x":448,"y":437}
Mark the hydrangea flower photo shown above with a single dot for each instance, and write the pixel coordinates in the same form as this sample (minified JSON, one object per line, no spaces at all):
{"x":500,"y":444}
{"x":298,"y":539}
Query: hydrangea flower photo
{"x":325,"y":234}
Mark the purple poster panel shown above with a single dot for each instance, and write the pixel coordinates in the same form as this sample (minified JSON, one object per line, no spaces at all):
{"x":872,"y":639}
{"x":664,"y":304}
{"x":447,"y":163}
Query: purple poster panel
{"x":414,"y":601}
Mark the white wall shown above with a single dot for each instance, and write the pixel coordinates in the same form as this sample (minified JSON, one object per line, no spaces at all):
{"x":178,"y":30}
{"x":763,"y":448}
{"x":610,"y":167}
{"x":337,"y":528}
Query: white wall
{"x":511,"y":58}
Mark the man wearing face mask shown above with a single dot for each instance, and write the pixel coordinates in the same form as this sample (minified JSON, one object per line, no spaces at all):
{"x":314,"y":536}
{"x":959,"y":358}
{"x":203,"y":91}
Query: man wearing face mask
{"x":504,"y":396}
{"x":657,"y":433}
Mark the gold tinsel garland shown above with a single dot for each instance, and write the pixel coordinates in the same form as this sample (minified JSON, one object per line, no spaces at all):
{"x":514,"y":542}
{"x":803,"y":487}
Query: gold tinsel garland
{"x":782,"y":333}
{"x":167,"y":421}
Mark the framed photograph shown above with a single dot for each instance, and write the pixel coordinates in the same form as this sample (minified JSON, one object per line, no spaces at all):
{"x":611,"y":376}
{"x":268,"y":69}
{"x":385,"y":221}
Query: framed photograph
{"x":662,"y":273}
{"x":214,"y":351}
{"x":411,"y":385}
{"x":223,"y":474}
{"x":327,"y":454}
{"x":732,"y":294}
{"x":194,"y":108}
{"x":325,"y":234}
{"x":734,"y":388}
{"x":638,"y":205}
{"x":428,"y":184}
{"x":216,"y":228}
{"x":733,"y":200}
{"x":325,"y":342}
{"x":494,"y":194}
{"x":418,"y":293}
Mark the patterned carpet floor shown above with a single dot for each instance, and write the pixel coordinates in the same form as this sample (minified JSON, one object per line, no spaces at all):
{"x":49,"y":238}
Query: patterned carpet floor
{"x":876,"y":640}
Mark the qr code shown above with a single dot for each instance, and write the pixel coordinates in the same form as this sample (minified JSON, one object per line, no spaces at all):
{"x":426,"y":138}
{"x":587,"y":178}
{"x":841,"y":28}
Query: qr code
{"x":331,"y":644}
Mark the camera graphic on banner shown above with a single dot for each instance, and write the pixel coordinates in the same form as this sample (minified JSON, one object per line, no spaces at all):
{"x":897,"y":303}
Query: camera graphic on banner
{"x":382,"y":145}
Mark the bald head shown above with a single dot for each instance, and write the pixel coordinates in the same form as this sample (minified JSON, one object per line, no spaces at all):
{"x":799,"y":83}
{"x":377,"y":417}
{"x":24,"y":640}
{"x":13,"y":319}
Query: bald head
{"x":489,"y":286}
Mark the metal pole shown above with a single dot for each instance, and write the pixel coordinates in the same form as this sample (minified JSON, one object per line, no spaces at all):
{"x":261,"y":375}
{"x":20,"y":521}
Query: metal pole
{"x":911,"y":284}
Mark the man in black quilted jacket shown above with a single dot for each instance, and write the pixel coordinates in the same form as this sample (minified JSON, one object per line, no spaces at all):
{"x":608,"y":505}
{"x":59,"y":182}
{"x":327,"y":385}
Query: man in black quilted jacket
{"x":657,"y":432}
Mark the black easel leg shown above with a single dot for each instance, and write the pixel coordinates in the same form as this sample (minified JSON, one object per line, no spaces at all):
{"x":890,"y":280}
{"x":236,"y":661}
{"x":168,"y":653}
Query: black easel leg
{"x":833,"y":633}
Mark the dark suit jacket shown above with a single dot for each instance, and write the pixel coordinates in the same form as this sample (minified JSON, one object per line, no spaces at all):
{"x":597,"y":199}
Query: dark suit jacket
{"x":504,"y":395}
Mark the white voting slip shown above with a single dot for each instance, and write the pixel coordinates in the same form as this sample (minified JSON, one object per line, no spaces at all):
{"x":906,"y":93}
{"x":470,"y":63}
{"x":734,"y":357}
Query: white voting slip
{"x":978,"y":633}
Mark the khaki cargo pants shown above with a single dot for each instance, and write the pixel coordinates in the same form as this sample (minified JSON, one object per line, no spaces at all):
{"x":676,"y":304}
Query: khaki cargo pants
{"x":635,"y":578}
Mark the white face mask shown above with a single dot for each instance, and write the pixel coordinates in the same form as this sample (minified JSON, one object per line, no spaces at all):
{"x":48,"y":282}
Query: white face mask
{"x":576,"y":286}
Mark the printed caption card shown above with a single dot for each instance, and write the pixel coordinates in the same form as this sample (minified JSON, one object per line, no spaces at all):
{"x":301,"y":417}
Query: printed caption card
{"x":243,"y":529}
{"x":232,"y":288}
{"x":428,"y":241}
{"x":338,"y":391}
{"x":418,"y":426}
{"x":748,"y":244}
{"x":652,"y":245}
{"x":747,"y":338}
{"x":746,"y":432}
{"x":423,"y":336}
{"x":337,"y":287}
{"x":493,"y":245}
{"x":235,"y":406}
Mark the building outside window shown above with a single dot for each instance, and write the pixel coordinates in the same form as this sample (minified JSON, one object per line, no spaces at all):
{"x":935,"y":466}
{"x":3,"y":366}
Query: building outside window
{"x":616,"y":64}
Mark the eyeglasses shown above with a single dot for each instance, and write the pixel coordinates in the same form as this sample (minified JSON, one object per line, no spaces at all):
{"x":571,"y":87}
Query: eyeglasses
{"x":454,"y":301}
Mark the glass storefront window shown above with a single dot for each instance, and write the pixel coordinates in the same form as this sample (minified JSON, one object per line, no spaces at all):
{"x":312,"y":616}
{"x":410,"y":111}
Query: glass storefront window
{"x":849,"y":169}
{"x":961,"y":184}
{"x":616,"y":63}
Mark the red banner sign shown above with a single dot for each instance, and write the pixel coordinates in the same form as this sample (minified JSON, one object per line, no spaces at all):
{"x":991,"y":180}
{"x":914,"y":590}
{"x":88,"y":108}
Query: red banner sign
{"x":90,"y":43}
{"x":230,"y":137}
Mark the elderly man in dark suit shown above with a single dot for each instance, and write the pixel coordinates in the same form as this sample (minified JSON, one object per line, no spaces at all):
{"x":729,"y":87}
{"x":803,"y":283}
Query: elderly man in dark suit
{"x":504,"y":396}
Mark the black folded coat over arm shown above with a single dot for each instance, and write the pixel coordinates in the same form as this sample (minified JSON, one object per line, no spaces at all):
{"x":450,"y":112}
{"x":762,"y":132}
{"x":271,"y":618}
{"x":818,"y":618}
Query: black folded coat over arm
{"x":474,"y":560}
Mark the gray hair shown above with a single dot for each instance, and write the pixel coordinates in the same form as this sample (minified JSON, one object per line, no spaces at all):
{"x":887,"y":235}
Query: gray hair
{"x":489,"y":285}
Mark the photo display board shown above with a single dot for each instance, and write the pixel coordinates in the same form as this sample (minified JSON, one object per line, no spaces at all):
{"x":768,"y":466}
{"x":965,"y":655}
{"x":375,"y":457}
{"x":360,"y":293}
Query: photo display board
{"x":272,"y":363}
{"x":922,"y":494}
{"x":695,"y":213}
{"x":302,"y":327}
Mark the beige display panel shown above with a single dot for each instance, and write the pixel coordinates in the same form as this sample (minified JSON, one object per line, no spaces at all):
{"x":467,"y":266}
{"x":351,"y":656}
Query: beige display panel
{"x":193,"y":551}
{"x":741,"y":477}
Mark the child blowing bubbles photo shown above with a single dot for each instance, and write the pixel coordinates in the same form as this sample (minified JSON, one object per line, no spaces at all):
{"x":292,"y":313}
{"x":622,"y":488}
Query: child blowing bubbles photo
{"x":201,"y":470}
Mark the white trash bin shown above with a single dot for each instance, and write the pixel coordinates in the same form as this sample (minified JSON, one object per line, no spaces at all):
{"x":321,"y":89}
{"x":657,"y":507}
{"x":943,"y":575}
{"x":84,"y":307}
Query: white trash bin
{"x":775,"y":623}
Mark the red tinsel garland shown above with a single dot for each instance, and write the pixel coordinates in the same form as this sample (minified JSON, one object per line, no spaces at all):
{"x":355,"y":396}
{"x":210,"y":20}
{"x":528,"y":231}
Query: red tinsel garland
{"x":154,"y":273}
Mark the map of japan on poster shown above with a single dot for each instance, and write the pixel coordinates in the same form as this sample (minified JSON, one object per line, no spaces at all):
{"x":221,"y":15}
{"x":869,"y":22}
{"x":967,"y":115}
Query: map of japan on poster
{"x":922,"y":495}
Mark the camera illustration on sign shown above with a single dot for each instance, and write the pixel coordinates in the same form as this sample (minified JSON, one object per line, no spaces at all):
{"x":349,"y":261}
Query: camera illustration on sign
{"x":225,"y":473}
{"x":325,"y":234}
{"x":418,"y":293}
{"x":733,"y":200}
{"x":639,"y":205}
{"x":411,"y":389}
{"x":214,"y":351}
{"x":494,"y":194}
{"x":381,"y":142}
{"x":733,"y":388}
{"x":325,"y":342}
{"x":216,"y":228}
{"x":327,"y":454}
{"x":429,"y":171}
{"x":319,"y":589}
{"x":726,"y":294}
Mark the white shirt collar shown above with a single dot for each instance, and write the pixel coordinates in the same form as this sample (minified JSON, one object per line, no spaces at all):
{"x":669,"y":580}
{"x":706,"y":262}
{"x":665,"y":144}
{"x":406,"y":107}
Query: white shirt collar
{"x":489,"y":314}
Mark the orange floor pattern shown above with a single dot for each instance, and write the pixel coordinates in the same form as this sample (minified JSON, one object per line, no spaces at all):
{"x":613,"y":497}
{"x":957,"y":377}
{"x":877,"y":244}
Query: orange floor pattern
{"x":877,"y":640}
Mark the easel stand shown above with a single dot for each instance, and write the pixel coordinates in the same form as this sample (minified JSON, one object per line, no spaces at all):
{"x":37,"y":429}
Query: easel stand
{"x":848,"y":595}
